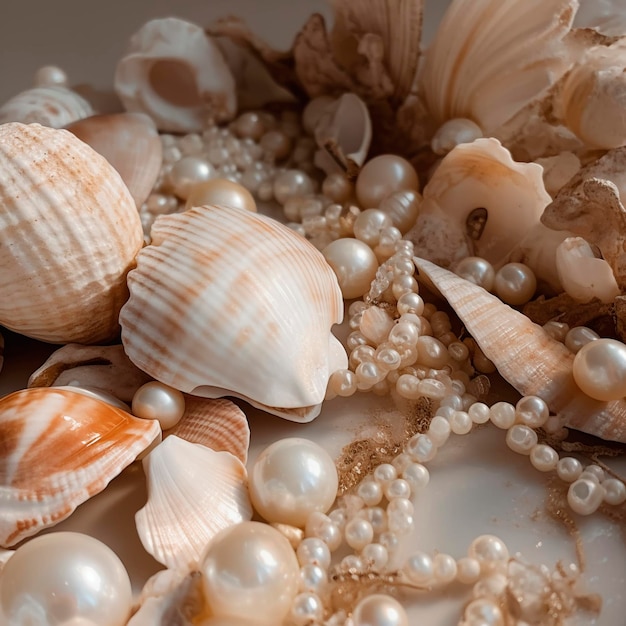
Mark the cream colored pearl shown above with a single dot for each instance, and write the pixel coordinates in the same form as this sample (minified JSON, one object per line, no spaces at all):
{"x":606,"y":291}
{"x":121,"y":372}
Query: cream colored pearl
{"x":521,"y":438}
{"x":158,"y":401}
{"x":379,"y":610}
{"x":354,"y":263}
{"x":489,"y":551}
{"x":337,"y":187}
{"x":578,"y":336}
{"x":249,"y":125}
{"x":477,"y":270}
{"x":250,"y":571}
{"x":532,"y":411}
{"x":50,"y":75}
{"x":614,"y":491}
{"x":369,"y":224}
{"x":382,"y":176}
{"x":515,"y":283}
{"x":276,"y":144}
{"x":454,"y":132}
{"x":600,"y":369}
{"x":585,"y":496}
{"x":403,"y":208}
{"x":291,"y":183}
{"x":187,"y":172}
{"x":223,"y":192}
{"x":544,"y":457}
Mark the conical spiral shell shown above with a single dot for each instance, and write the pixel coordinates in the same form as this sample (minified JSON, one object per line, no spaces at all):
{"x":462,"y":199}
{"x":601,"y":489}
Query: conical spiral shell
{"x":59,"y":449}
{"x":72,"y":233}
{"x":229,"y":302}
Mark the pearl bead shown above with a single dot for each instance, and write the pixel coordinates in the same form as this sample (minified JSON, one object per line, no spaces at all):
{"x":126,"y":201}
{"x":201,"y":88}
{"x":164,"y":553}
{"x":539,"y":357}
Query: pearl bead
{"x":614,"y":491}
{"x":461,"y":423}
{"x":291,"y":183}
{"x":479,"y":412}
{"x":483,"y":612}
{"x":313,"y":550}
{"x":454,"y":132}
{"x":521,"y":439}
{"x":371,"y":492}
{"x":503,"y":415}
{"x":321,"y":526}
{"x":515,"y":283}
{"x":600,"y":369}
{"x":290,"y":479}
{"x":569,"y":469}
{"x":376,"y":555}
{"x":532,"y":411}
{"x":249,"y":125}
{"x":50,"y":75}
{"x":223,"y":192}
{"x":557,"y":330}
{"x":187,"y":172}
{"x":417,"y":475}
{"x":358,"y":533}
{"x":337,"y":187}
{"x":439,"y":429}
{"x":579,"y":336}
{"x":250,"y":571}
{"x":544,"y":457}
{"x":476,"y":270}
{"x":419,"y":568}
{"x":467,"y":570}
{"x":307,"y":608}
{"x":421,"y":448}
{"x":158,"y":401}
{"x":403,"y":208}
{"x":444,"y":568}
{"x":354,"y":263}
{"x":382,"y":176}
{"x":379,"y":610}
{"x":312,"y":578}
{"x":63,"y":577}
{"x":585,"y":496}
{"x":368,"y":225}
{"x":489,"y":550}
{"x":276,"y":144}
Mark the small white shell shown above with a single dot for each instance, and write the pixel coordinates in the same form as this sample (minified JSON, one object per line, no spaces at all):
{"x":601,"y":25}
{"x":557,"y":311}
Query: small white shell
{"x":193,"y":492}
{"x":49,"y":105}
{"x":177,"y":75}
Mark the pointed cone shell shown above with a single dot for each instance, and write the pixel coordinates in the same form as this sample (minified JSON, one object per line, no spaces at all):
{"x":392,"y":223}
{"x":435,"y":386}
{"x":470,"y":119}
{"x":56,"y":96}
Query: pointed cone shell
{"x":193,"y":493}
{"x":526,"y":356}
{"x":73,"y":230}
{"x":59,"y":449}
{"x":229,"y":302}
{"x":130,"y":143}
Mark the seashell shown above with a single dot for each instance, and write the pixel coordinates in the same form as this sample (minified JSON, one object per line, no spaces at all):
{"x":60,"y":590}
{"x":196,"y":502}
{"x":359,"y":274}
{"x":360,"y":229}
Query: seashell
{"x":343,"y":134}
{"x":489,"y":59}
{"x":130,"y":143}
{"x":193,"y":493}
{"x":49,"y":105}
{"x":218,"y":424}
{"x":230,"y":302}
{"x":605,"y":16}
{"x":60,"y":448}
{"x":5,"y":555}
{"x":73,"y":230}
{"x":1,"y":352}
{"x":177,"y":75}
{"x":526,"y":356}
{"x":483,"y":198}
{"x":102,"y":367}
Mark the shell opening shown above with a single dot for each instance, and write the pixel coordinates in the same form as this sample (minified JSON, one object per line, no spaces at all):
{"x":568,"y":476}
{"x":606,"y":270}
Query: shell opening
{"x":174,"y":82}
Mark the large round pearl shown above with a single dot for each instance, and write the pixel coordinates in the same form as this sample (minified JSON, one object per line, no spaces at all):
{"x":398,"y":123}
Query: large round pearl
{"x":187,"y":172}
{"x":477,"y":270}
{"x":515,"y":283}
{"x":600,"y":369}
{"x":290,"y":479}
{"x":158,"y":401}
{"x":62,"y":577}
{"x":354,"y":263}
{"x":382,"y":176}
{"x":250,"y":571}
{"x":223,"y":192}
{"x":379,"y":610}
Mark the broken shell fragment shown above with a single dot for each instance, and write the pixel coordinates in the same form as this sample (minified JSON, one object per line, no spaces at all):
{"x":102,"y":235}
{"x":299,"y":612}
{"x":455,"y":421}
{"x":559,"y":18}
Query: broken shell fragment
{"x":176,"y":74}
{"x":229,"y":302}
{"x":62,"y":447}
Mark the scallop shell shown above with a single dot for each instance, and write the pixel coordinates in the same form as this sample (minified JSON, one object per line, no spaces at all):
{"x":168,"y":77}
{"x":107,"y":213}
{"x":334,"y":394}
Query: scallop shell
{"x":60,"y":448}
{"x":193,"y":493}
{"x":73,"y":232}
{"x":50,"y":105}
{"x":526,"y":356}
{"x":230,"y":302}
{"x":177,"y":75}
{"x":130,"y":143}
{"x":218,"y":424}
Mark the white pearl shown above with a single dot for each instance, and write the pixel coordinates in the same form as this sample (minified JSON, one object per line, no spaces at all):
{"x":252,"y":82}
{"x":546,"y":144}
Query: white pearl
{"x":337,"y":187}
{"x":368,"y":225}
{"x":521,"y":439}
{"x":307,"y":608}
{"x":544,"y":458}
{"x":479,"y":412}
{"x":249,"y":125}
{"x":312,"y":578}
{"x":503,"y":415}
{"x":250,"y":571}
{"x":419,"y":568}
{"x":439,"y":429}
{"x":187,"y":172}
{"x":65,"y":576}
{"x":354,"y":263}
{"x":158,"y":401}
{"x":489,"y":550}
{"x":371,"y":491}
{"x":376,"y":555}
{"x":444,"y":568}
{"x":483,"y":612}
{"x":614,"y":491}
{"x":223,"y":192}
{"x":314,"y":551}
{"x":417,"y":475}
{"x":532,"y":411}
{"x":585,"y":496}
{"x":569,"y":469}
{"x":320,"y":525}
{"x":379,"y":610}
{"x":358,"y":533}
{"x":515,"y":283}
{"x":403,"y":208}
{"x":467,"y":570}
{"x":578,"y":337}
{"x":461,"y":423}
{"x":477,"y":270}
{"x":453,"y":132}
{"x":382,"y":176}
{"x":600,"y":369}
{"x":292,"y":478}
{"x":291,"y":183}
{"x":421,"y":448}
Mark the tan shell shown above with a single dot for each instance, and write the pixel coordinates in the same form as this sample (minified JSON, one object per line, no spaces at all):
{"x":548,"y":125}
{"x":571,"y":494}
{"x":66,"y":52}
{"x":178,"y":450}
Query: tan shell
{"x":50,"y":105}
{"x":177,"y":75}
{"x":193,"y":493}
{"x":60,"y":448}
{"x":130,"y":143}
{"x":526,"y":356}
{"x":605,"y":16}
{"x":230,"y":302}
{"x":73,"y":230}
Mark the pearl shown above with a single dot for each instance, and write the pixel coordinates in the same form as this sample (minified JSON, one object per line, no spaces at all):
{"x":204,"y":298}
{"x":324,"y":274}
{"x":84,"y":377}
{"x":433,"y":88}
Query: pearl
{"x":291,"y":183}
{"x":65,"y":576}
{"x":158,"y":401}
{"x":579,"y":336}
{"x":503,"y":415}
{"x":467,"y":570}
{"x":569,"y":469}
{"x":354,"y":263}
{"x":312,"y":578}
{"x":585,"y":496}
{"x":557,"y":330}
{"x":461,"y":423}
{"x":544,"y":458}
{"x":307,"y":608}
{"x":521,"y":439}
{"x":483,"y":612}
{"x":600,"y":369}
{"x":250,"y":571}
{"x":444,"y":568}
{"x":249,"y":125}
{"x":337,"y":187}
{"x":489,"y":550}
{"x":379,"y":610}
{"x":223,"y":192}
{"x":419,"y":568}
{"x":50,"y":75}
{"x":376,"y":555}
{"x":439,"y":430}
{"x":313,"y":550}
{"x":276,"y":144}
{"x":477,"y":270}
{"x":187,"y":172}
{"x":382,"y":176}
{"x":358,"y":533}
{"x":614,"y":491}
{"x":403,"y":208}
{"x":453,"y":132}
{"x":321,"y":526}
{"x":479,"y":412}
{"x":515,"y":283}
{"x":368,"y":225}
{"x":292,"y":478}
{"x":532,"y":411}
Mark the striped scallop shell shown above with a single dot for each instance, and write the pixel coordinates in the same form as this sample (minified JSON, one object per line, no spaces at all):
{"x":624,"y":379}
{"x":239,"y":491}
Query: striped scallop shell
{"x":193,"y":493}
{"x":526,"y":356}
{"x":59,"y":449}
{"x":73,"y":230}
{"x":229,"y":302}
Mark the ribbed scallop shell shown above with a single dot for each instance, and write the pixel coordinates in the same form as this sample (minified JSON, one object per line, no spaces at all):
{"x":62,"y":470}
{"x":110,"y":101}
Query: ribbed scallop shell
{"x":229,"y":302}
{"x":218,"y":424}
{"x":59,"y":448}
{"x":73,"y":232}
{"x":526,"y":356}
{"x":193,"y":493}
{"x":50,"y":105}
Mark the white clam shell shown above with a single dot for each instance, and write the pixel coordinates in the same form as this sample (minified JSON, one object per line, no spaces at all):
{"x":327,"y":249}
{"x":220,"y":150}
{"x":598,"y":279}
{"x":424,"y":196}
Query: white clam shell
{"x":230,"y":302}
{"x":193,"y":493}
{"x":49,"y":105}
{"x":176,"y":74}
{"x":60,"y":448}
{"x":73,"y":230}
